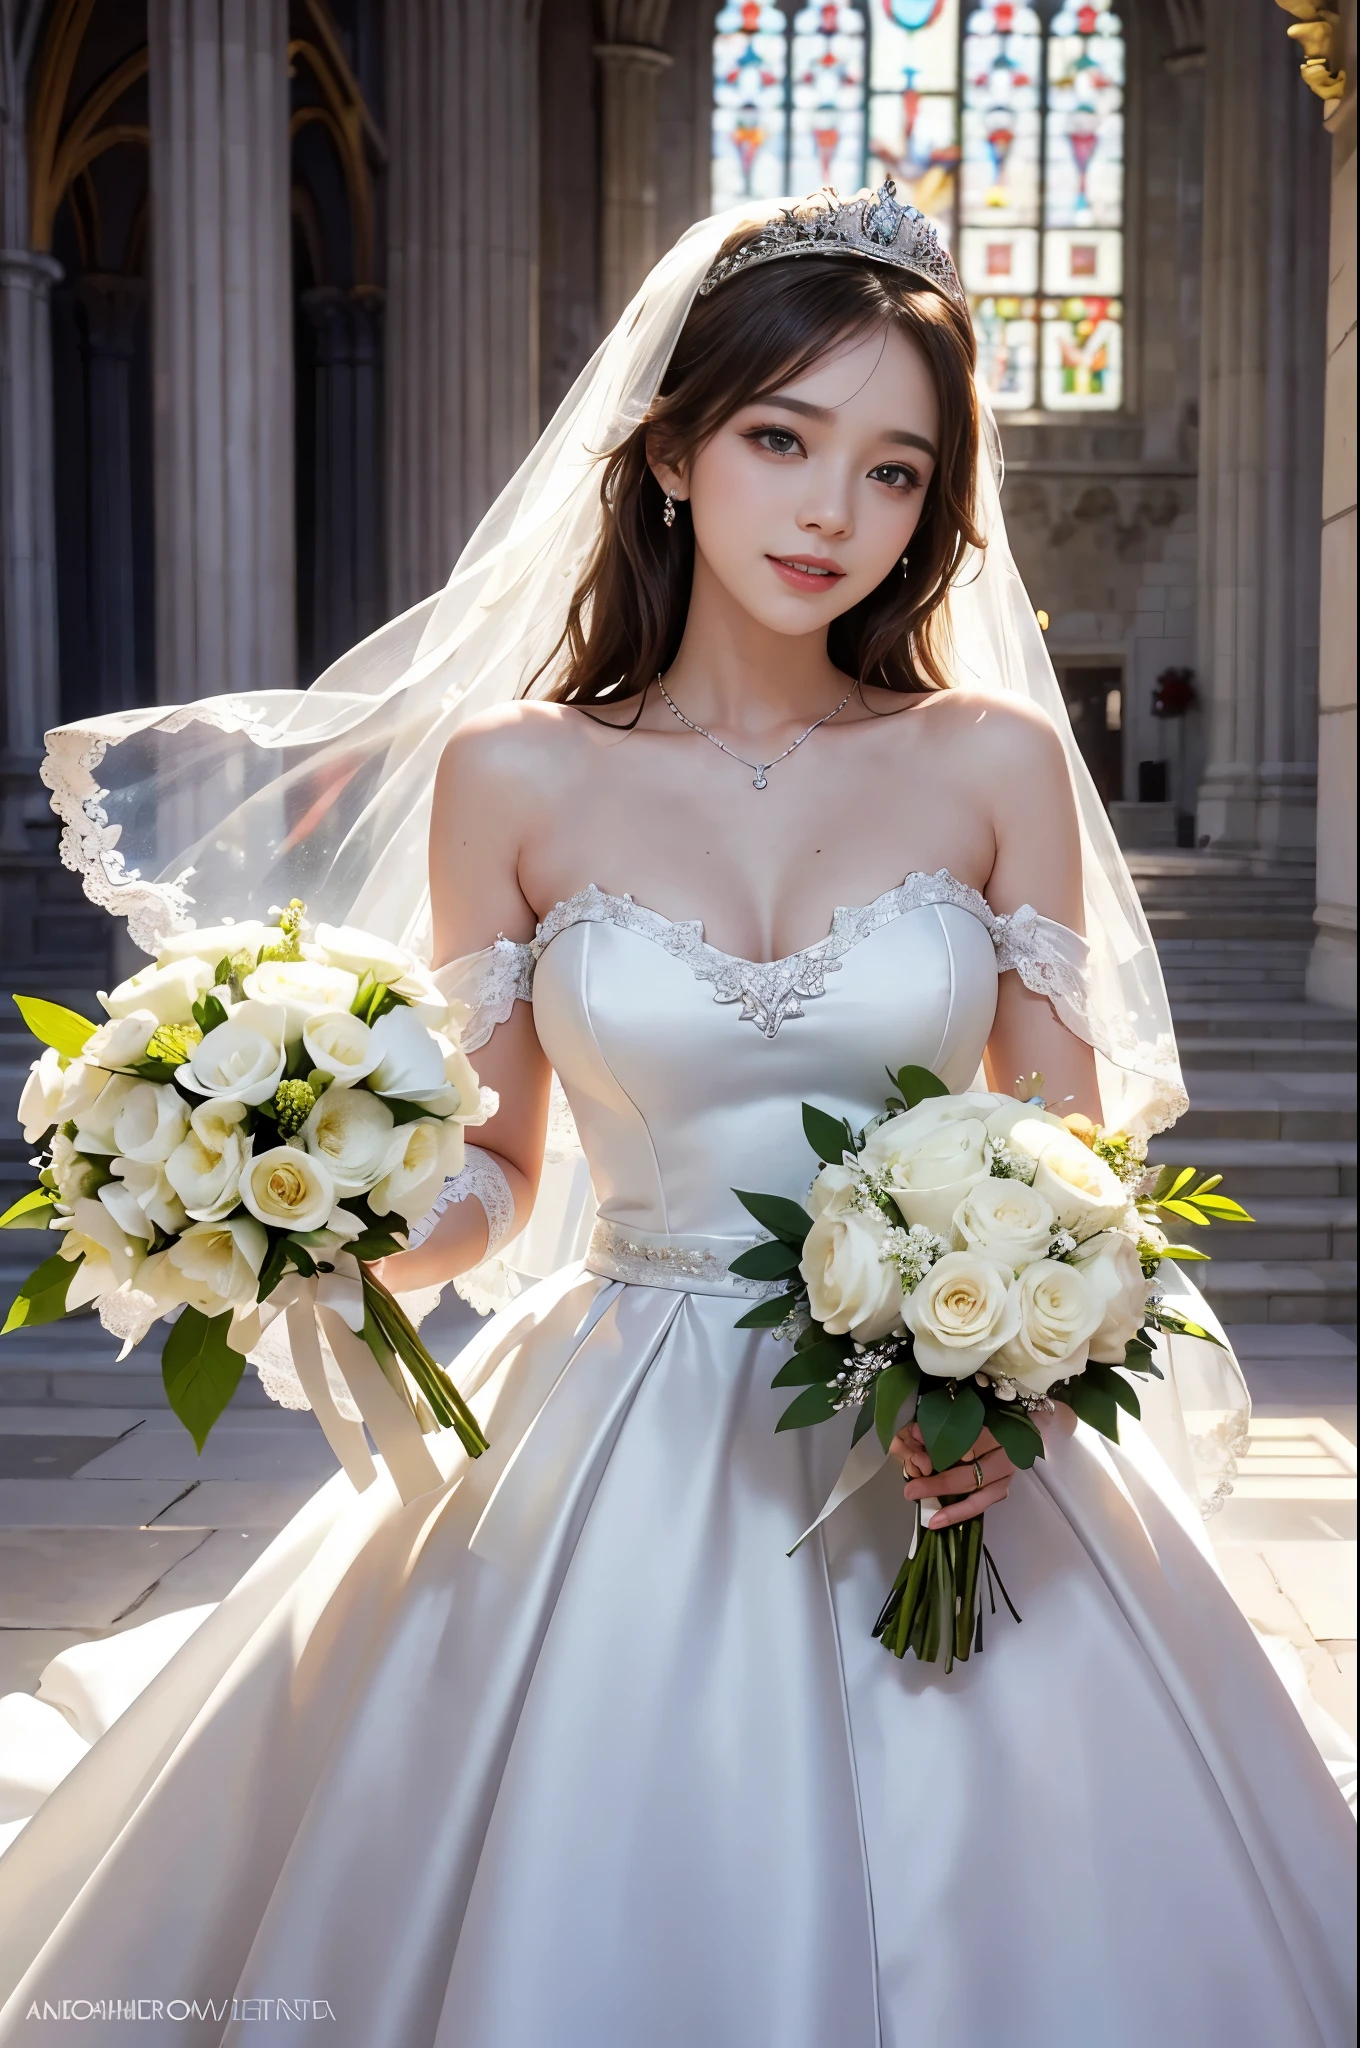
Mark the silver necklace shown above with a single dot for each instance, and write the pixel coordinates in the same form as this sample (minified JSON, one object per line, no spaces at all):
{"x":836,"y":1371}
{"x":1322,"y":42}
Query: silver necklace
{"x":761,"y":768}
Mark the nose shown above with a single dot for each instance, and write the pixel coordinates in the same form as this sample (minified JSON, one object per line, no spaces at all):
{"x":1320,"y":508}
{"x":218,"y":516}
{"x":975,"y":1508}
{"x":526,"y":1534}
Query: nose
{"x":827,"y":509}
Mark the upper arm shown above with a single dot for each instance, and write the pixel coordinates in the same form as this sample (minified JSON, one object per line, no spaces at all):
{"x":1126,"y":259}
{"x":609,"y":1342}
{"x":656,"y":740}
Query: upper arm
{"x":483,"y":785}
{"x":1038,"y":861}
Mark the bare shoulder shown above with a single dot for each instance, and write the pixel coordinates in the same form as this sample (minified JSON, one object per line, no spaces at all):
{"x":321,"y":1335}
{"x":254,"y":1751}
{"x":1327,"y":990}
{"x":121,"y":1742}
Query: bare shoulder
{"x":976,"y":731}
{"x":509,"y":745}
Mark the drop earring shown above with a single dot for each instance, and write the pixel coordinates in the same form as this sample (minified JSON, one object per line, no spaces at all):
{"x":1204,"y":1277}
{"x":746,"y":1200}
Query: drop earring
{"x":668,"y":511}
{"x":906,"y":565}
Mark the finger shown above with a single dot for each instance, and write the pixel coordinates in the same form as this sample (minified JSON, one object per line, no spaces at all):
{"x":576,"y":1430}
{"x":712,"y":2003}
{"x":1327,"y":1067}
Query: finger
{"x":914,"y":1456}
{"x":975,"y":1503}
{"x":962,"y":1478}
{"x":986,"y":1442}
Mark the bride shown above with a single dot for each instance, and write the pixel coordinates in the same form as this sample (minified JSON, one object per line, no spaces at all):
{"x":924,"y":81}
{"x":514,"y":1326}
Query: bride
{"x":751,"y":779}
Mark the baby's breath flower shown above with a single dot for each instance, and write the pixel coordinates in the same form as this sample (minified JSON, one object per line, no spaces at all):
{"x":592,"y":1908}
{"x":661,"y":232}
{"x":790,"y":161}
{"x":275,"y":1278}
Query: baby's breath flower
{"x":1005,"y":1164}
{"x":913,"y":1252}
{"x":1063,"y":1243}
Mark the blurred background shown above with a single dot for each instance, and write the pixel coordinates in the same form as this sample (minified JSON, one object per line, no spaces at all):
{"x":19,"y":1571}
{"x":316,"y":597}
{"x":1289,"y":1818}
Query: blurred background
{"x":287,"y":288}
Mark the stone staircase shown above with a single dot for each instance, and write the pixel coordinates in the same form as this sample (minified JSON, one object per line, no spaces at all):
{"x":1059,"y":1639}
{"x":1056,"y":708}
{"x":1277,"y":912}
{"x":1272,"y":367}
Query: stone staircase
{"x":1272,"y":1085}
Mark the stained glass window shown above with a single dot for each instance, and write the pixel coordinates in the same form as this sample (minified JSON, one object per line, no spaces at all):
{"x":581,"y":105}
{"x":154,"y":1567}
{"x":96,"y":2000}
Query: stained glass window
{"x":1003,"y":123}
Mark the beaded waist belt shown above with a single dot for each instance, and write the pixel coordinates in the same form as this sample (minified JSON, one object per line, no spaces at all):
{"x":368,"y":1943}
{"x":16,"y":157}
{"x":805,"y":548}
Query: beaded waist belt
{"x":685,"y":1264}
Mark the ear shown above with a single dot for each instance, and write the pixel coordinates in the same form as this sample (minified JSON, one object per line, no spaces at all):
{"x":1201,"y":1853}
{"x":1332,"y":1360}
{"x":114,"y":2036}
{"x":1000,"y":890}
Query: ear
{"x":673,"y":481}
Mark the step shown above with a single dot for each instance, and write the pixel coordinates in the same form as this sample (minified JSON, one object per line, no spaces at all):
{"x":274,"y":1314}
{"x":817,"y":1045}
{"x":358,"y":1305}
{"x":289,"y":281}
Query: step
{"x":1267,"y":1055}
{"x":1265,"y":1167}
{"x":1278,"y":1105}
{"x":1280,"y":1290}
{"x":1282,"y":1227}
{"x":1257,"y":926}
{"x":1229,"y":1018}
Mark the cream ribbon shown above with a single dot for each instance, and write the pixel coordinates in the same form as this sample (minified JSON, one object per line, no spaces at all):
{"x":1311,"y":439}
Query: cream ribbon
{"x":332,"y":1305}
{"x":866,"y":1459}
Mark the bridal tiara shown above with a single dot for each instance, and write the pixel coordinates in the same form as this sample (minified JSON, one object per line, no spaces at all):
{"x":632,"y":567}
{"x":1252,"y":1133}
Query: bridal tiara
{"x":874,"y":225}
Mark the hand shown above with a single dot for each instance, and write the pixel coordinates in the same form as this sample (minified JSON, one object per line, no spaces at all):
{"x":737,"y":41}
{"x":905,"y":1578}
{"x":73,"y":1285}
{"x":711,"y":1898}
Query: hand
{"x":924,"y":1483}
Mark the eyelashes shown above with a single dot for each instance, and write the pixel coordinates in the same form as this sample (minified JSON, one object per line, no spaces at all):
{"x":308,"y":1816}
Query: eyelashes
{"x":898,"y":476}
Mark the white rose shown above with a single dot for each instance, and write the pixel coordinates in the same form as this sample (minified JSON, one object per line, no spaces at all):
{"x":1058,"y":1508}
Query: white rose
{"x":850,"y":1287}
{"x":410,"y":1058}
{"x":1109,"y":1265}
{"x":243,"y":1059}
{"x":344,"y":945}
{"x":1058,"y":1313}
{"x":303,"y":987}
{"x":205,"y":1168}
{"x":351,"y":1132}
{"x":152,"y":1119}
{"x":341,"y":1045}
{"x":82,"y":1084}
{"x":832,"y":1193}
{"x":213,"y":1267}
{"x":146,"y":1181}
{"x":288,"y":1188}
{"x":1085,"y":1195}
{"x":95,"y":1122}
{"x":169,"y":993}
{"x":1002,"y":1120}
{"x":931,"y":1163}
{"x":40,"y":1103}
{"x":122,"y":1042}
{"x":1004,"y":1220}
{"x":74,"y":1174}
{"x":214,"y":943}
{"x":420,"y":1157}
{"x":111,"y":1254}
{"x":960,"y":1314}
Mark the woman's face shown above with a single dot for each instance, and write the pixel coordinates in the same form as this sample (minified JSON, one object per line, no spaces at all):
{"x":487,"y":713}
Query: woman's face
{"x":804,"y":502}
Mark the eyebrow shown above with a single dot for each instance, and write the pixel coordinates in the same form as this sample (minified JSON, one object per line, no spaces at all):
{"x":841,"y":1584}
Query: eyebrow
{"x":898,"y":435}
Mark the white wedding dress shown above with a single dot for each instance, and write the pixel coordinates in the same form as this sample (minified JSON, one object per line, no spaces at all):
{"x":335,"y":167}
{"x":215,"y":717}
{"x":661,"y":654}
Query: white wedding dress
{"x":570,"y":1754}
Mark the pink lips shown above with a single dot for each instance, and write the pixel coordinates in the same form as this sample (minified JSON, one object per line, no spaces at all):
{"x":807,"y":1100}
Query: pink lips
{"x":800,"y":571}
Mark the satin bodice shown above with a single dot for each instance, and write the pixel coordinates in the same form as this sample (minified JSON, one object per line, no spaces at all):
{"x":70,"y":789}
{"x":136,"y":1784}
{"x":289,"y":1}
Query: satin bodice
{"x":685,"y":1067}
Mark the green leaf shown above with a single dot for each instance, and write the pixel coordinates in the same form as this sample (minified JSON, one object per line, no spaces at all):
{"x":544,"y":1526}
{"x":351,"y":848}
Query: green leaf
{"x":894,"y":1387}
{"x":808,"y":1368}
{"x":1181,"y":1251}
{"x":1222,"y":1206}
{"x":209,"y":1012}
{"x":1125,"y":1395}
{"x":30,"y":1212}
{"x":1015,"y":1433}
{"x":1094,"y":1404}
{"x":951,"y":1421}
{"x":828,"y":1136}
{"x":42,"y":1297}
{"x":864,"y":1422}
{"x":1188,"y":1213}
{"x":766,"y":1314}
{"x":1171,"y":1180}
{"x":778,"y":1215}
{"x":55,"y":1025}
{"x":1137,"y":1356}
{"x":200,"y":1370}
{"x":812,"y":1405}
{"x":374,"y":1244}
{"x":766,"y":1261}
{"x":918,"y":1084}
{"x":406,"y":1112}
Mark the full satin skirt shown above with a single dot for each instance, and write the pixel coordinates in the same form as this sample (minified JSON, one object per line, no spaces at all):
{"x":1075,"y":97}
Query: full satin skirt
{"x":570,"y":1754}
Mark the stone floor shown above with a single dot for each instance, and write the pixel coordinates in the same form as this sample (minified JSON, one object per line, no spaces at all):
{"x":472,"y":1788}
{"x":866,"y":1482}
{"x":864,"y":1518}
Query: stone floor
{"x":108,"y":1519}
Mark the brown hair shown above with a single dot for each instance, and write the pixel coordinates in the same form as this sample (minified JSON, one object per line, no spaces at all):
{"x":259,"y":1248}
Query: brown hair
{"x":758,"y":331}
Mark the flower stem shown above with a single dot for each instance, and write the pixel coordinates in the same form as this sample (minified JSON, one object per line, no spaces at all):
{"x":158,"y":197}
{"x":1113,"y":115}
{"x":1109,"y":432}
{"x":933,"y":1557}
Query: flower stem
{"x":448,"y":1405}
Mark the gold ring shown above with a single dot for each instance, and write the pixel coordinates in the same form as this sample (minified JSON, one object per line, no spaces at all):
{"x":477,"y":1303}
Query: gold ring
{"x":978,"y":1479}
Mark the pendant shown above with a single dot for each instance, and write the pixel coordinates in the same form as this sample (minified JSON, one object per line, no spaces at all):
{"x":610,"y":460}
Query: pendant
{"x":761,"y":781}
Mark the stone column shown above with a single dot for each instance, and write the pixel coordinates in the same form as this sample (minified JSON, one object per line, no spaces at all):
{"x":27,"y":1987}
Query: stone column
{"x":631,"y":62}
{"x":28,"y":575}
{"x":110,"y":308}
{"x":461,"y":336}
{"x":1331,"y":971}
{"x":221,"y":346}
{"x":1265,"y":200}
{"x":345,"y":601}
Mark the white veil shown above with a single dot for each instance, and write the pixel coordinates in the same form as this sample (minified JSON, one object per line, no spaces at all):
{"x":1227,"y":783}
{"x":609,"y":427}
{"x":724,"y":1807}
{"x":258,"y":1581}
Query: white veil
{"x":186,"y":813}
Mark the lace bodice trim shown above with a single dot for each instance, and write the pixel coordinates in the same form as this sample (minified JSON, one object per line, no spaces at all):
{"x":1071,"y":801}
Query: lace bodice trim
{"x":1048,"y":957}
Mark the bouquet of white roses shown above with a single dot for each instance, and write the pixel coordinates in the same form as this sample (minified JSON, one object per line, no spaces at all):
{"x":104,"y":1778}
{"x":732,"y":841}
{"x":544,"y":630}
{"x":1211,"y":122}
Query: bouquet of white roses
{"x":969,"y":1260}
{"x":264,"y":1112}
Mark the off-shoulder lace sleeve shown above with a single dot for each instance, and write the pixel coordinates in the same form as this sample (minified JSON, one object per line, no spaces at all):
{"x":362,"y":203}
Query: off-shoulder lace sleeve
{"x":1050,"y":959}
{"x":488,"y":985}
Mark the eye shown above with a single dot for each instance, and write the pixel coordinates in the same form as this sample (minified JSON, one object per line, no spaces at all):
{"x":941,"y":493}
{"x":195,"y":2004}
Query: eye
{"x":775,"y":440}
{"x":899,"y":476}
